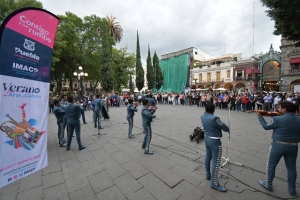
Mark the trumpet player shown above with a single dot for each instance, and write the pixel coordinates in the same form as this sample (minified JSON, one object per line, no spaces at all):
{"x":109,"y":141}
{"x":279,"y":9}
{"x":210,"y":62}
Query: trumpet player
{"x":131,"y":109}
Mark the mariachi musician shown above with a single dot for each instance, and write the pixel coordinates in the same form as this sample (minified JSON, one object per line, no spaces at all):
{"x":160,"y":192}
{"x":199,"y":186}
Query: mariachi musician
{"x":286,"y":137}
{"x":131,"y":109}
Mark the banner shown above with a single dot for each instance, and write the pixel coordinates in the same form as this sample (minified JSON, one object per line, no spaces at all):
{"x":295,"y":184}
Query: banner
{"x":27,"y":40}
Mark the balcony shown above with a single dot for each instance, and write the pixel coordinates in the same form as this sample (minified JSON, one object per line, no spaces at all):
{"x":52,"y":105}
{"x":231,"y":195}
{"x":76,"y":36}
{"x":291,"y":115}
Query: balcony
{"x":290,"y":72}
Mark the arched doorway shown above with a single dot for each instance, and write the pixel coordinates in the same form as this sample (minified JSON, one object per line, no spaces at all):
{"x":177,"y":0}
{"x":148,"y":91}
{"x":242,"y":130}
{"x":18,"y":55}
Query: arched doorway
{"x":208,"y":86}
{"x":295,"y":86}
{"x":240,"y":87}
{"x":228,"y":86}
{"x":201,"y":86}
{"x":271,"y":76}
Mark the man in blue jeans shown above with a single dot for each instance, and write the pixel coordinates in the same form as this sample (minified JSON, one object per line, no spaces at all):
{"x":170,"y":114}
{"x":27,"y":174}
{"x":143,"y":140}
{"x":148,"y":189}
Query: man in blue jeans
{"x":73,"y":112}
{"x":286,"y":137}
{"x":213,"y":127}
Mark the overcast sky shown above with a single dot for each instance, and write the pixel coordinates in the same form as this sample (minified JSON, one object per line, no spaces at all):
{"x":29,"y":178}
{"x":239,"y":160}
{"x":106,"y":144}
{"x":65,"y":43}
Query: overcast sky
{"x":216,"y":27}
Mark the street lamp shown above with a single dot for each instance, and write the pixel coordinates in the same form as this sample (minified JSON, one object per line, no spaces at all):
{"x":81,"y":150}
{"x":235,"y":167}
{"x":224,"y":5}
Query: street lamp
{"x":212,"y":84}
{"x":80,"y":75}
{"x":280,"y":83}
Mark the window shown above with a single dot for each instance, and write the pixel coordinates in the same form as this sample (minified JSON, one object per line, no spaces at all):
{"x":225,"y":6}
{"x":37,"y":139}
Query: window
{"x":208,"y":77}
{"x":218,"y":76}
{"x":200,"y":78}
{"x":228,"y":73}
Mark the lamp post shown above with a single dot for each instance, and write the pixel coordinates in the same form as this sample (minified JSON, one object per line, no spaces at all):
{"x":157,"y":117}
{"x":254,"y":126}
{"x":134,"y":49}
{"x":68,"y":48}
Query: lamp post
{"x":280,"y":83}
{"x":80,"y":75}
{"x":250,"y":83}
{"x":212,"y":84}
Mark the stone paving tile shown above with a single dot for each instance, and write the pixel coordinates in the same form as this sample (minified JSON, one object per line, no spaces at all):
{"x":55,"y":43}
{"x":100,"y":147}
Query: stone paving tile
{"x":54,"y":165}
{"x":110,"y":148}
{"x":112,"y":193}
{"x":164,"y":174}
{"x":113,"y":169}
{"x":83,"y":155}
{"x":85,"y":193}
{"x":101,"y":156}
{"x":120,"y":157}
{"x":183,"y":161}
{"x":161,"y":151}
{"x":32,"y":181}
{"x":157,"y":188}
{"x":139,"y":156}
{"x":100,"y":181}
{"x":35,"y":193}
{"x":207,"y":197}
{"x":160,"y":160}
{"x":91,"y":167}
{"x":141,"y":194}
{"x":126,"y":149}
{"x":66,"y":155}
{"x":9,"y":192}
{"x":188,"y":191}
{"x":75,"y":180}
{"x":100,"y":140}
{"x":93,"y":147}
{"x":70,"y":165}
{"x":127,"y":184}
{"x":53,"y":179}
{"x":134,"y":169}
{"x":190,"y":176}
{"x":56,"y":192}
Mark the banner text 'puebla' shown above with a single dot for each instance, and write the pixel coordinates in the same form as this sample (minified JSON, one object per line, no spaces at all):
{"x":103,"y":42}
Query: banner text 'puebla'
{"x":27,"y":40}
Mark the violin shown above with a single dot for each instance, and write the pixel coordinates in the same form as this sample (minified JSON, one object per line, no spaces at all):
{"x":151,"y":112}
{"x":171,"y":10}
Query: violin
{"x":268,"y":114}
{"x":152,"y":108}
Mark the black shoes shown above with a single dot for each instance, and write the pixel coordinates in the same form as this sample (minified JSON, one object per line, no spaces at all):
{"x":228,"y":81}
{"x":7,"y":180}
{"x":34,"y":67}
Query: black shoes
{"x":68,"y":148}
{"x":84,"y":123}
{"x":101,"y":127}
{"x":82,"y":147}
{"x":131,"y":137}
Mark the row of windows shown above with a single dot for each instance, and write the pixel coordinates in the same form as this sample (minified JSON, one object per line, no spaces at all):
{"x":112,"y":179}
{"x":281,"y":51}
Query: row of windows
{"x":218,"y":76}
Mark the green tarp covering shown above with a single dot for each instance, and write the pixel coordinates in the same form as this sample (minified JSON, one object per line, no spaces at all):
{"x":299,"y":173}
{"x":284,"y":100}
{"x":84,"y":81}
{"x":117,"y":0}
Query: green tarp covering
{"x":175,"y":72}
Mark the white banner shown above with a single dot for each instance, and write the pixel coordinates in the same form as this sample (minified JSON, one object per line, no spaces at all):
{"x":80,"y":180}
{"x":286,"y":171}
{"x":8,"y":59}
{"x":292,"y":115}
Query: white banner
{"x":23,"y":127}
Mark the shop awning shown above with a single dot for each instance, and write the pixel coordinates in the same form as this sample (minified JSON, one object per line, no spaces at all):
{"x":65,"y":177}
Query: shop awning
{"x":294,"y":60}
{"x":255,"y":70}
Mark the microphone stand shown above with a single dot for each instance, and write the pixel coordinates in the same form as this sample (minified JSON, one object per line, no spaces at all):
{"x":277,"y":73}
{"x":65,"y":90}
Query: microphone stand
{"x":227,"y":159}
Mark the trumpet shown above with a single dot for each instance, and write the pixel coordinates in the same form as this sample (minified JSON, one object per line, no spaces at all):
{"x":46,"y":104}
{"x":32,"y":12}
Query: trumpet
{"x":135,"y":104}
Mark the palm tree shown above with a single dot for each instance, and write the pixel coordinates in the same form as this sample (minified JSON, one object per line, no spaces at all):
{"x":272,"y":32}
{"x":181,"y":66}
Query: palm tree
{"x":115,"y":29}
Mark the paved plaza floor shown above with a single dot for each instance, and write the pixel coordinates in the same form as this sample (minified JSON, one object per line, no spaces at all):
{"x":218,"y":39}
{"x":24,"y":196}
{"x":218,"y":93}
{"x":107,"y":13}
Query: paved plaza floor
{"x":115,"y":167}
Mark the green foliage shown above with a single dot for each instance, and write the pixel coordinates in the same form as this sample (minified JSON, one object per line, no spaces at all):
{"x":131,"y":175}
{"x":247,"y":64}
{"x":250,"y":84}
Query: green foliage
{"x":138,"y":66}
{"x":159,"y":77}
{"x":150,"y":71}
{"x":123,"y":64}
{"x":286,"y":15}
{"x":9,"y":6}
{"x":106,"y":59}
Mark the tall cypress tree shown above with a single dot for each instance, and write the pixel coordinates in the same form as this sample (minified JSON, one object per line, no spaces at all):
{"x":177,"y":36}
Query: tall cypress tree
{"x":159,"y":77}
{"x":106,"y":59}
{"x":130,"y":84}
{"x":138,"y":66}
{"x":150,"y":71}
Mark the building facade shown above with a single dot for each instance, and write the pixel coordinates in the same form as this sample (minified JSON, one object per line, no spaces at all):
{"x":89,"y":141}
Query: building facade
{"x":290,"y":66}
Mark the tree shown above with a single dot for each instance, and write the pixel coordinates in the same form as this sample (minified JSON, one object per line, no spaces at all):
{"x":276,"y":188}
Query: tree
{"x":286,"y":15}
{"x":131,"y":87}
{"x":159,"y":77}
{"x":150,"y":71}
{"x":106,"y":60}
{"x":9,"y":6}
{"x":115,"y":29}
{"x":138,"y":66}
{"x":123,"y":65}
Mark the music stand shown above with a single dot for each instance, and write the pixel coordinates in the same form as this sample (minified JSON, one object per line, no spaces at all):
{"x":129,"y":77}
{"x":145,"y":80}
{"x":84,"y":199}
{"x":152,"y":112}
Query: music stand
{"x":227,"y":159}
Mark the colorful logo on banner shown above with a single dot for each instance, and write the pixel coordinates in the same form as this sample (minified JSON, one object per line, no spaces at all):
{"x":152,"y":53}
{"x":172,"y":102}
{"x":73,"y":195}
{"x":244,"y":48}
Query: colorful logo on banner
{"x":27,"y":40}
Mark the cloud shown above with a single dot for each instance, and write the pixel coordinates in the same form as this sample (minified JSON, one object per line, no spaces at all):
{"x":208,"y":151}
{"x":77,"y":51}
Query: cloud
{"x":216,"y":26}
